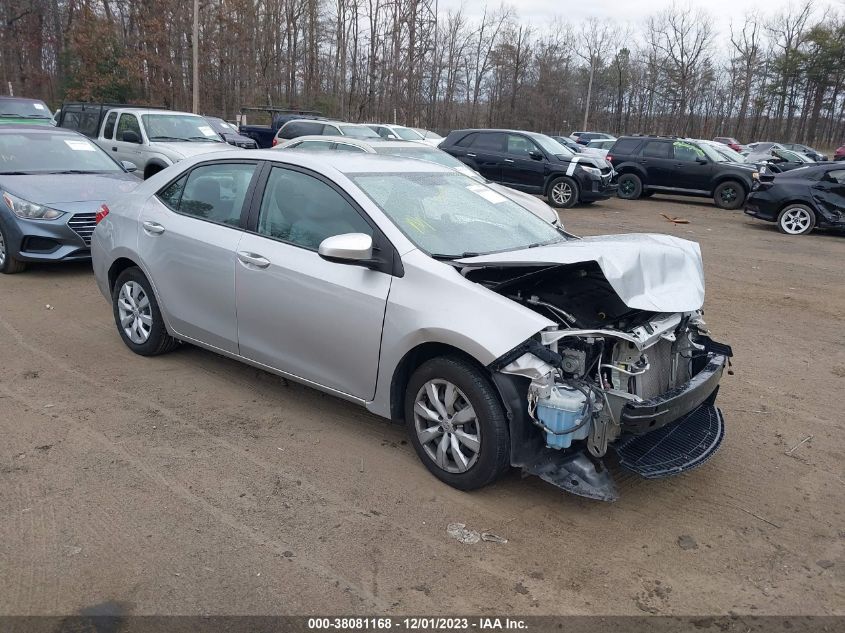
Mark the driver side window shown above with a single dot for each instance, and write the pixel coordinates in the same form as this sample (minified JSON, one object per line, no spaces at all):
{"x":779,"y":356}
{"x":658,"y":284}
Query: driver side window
{"x":303,"y":210}
{"x":128,"y":123}
{"x":519,"y":145}
{"x":686,"y":152}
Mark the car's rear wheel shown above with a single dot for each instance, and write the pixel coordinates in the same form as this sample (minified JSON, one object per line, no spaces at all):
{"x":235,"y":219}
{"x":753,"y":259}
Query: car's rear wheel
{"x":8,"y":264}
{"x":796,"y":219}
{"x":729,"y":195}
{"x":630,"y":187}
{"x":137,"y":315}
{"x":457,"y":424}
{"x":563,"y":193}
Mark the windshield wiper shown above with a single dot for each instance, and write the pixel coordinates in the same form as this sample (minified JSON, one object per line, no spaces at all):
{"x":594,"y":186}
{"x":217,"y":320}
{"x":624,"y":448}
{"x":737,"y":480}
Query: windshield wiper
{"x":19,"y":173}
{"x":203,"y":138}
{"x":75,"y":171}
{"x":440,"y":256}
{"x":167,"y":138}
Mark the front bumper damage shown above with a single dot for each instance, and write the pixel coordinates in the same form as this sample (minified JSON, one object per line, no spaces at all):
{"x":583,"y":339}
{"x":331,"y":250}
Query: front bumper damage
{"x":663,"y":435}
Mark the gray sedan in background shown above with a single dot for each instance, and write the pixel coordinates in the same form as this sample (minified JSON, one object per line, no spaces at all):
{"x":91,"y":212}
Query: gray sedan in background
{"x":52,"y":183}
{"x":426,"y":297}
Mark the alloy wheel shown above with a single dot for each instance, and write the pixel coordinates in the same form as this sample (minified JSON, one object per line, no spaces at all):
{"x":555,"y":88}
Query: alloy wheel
{"x":135,"y":312}
{"x":2,"y":250}
{"x":627,"y":187}
{"x":447,"y":426}
{"x":561,"y":193}
{"x":728,"y":195}
{"x":796,"y":221}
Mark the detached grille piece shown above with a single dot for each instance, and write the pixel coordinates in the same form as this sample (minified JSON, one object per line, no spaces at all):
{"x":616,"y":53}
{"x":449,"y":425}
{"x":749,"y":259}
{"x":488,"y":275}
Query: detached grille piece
{"x":671,"y":450}
{"x":83,"y":225}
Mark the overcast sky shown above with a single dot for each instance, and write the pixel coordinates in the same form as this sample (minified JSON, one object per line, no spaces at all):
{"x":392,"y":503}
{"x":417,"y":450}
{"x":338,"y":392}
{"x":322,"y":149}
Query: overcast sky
{"x":542,"y":12}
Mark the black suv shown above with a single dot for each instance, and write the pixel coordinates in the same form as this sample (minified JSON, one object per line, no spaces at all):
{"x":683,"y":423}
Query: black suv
{"x":533,"y":163}
{"x":653,"y":164}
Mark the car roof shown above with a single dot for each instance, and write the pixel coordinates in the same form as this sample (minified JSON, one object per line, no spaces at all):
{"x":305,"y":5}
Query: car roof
{"x":364,"y":144}
{"x":341,"y":162}
{"x":40,"y":129}
{"x":8,"y":98}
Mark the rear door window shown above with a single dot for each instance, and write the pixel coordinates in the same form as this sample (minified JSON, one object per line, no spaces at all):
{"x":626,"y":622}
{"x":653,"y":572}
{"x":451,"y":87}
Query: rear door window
{"x":215,"y":193}
{"x":108,"y":130}
{"x":657,"y":149}
{"x":490,"y":141}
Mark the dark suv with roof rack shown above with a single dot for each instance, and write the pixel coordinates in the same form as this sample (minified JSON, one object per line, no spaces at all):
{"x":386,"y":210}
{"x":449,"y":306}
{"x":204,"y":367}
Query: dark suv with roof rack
{"x":533,"y":163}
{"x":657,"y":164}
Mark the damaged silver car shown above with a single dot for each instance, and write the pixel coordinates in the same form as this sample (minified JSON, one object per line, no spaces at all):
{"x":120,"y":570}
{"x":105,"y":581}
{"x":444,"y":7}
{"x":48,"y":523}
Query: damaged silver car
{"x":431,"y":299}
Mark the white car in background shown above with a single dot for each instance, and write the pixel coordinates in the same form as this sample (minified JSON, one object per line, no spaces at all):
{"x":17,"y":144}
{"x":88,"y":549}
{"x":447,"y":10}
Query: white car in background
{"x":394,"y":132}
{"x":419,"y":151}
{"x":598,"y":147}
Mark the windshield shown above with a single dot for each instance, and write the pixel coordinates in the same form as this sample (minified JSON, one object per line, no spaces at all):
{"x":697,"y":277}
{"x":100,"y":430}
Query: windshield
{"x":47,"y":153}
{"x":550,"y":145}
{"x":222,"y":126}
{"x":406,"y":133}
{"x":179,"y":127}
{"x":426,"y":133}
{"x":731,"y":155}
{"x":432,"y":156}
{"x":358,"y":131}
{"x":24,"y":108}
{"x":714,"y":154}
{"x":451,"y":216}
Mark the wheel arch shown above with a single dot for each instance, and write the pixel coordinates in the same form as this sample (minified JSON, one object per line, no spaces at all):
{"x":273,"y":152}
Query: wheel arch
{"x":746,"y":186}
{"x":631,"y":168}
{"x":153,"y":167}
{"x":411,"y":361}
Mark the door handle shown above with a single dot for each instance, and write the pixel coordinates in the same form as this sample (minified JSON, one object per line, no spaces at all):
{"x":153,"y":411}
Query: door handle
{"x":153,"y":228}
{"x":471,"y":155}
{"x":253,"y":260}
{"x":508,"y":160}
{"x":114,"y":149}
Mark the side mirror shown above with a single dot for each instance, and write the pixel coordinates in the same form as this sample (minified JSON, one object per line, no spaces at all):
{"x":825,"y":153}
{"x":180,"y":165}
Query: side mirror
{"x":130,"y":136}
{"x":701,"y":160}
{"x":128,"y":166}
{"x":349,"y":248}
{"x":535,"y":154}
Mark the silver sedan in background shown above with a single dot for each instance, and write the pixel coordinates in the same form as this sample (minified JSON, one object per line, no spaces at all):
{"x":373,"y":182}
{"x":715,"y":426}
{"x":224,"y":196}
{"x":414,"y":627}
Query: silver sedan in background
{"x":430,"y":298}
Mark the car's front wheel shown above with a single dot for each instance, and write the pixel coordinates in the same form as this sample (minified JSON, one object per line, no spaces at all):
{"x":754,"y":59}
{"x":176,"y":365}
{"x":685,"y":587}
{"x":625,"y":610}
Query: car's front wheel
{"x":630,"y":187}
{"x":796,"y":219}
{"x":8,"y":264}
{"x":729,"y":195}
{"x":457,"y":424}
{"x":137,"y":315}
{"x":563,"y":193}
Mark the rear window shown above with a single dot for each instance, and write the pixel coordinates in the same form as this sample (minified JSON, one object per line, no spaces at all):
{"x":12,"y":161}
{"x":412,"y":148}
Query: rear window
{"x":625,"y":146}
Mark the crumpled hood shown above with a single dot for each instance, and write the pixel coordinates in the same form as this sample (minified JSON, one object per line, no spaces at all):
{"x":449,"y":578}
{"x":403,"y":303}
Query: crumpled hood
{"x":54,"y":189}
{"x":659,"y":273}
{"x":188,"y":149}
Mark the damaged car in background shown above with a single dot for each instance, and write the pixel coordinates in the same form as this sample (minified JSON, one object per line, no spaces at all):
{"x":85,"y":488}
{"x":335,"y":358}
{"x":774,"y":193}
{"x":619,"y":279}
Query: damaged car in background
{"x":428,"y":298}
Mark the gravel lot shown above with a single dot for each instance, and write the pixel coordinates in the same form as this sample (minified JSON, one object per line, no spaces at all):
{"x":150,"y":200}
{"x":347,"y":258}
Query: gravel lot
{"x":191,"y":484}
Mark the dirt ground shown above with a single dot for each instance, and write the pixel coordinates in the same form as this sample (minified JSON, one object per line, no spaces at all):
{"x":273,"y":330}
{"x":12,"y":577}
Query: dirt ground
{"x":191,"y":484}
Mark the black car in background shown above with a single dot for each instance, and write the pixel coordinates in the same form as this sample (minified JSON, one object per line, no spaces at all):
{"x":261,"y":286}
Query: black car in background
{"x":801,"y":199}
{"x":533,"y":163}
{"x":658,"y":164}
{"x":586,"y":137}
{"x":230,"y":134}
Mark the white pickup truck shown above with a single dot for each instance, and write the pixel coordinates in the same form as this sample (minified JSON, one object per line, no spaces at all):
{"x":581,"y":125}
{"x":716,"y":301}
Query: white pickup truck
{"x":149,"y":139}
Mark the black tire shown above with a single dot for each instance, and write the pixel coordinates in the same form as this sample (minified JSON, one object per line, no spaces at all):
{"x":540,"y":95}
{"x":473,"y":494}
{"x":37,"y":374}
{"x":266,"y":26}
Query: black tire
{"x":8,"y":264}
{"x":489,"y":427}
{"x":796,"y":219}
{"x":563,"y":193}
{"x":157,"y":341}
{"x":729,"y":195}
{"x":630,"y":187}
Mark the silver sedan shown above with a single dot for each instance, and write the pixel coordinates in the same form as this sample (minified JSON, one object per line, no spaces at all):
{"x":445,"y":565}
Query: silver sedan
{"x":428,"y":298}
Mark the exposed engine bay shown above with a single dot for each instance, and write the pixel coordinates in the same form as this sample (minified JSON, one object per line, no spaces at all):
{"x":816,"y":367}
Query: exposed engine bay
{"x":607,"y":372}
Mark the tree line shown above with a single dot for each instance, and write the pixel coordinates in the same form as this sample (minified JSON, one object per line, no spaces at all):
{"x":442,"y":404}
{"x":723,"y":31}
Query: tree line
{"x":771,"y":77}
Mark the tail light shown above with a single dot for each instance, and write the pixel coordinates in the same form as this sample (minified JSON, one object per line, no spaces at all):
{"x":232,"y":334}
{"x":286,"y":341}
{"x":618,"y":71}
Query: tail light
{"x":275,"y":142}
{"x":102,"y":212}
